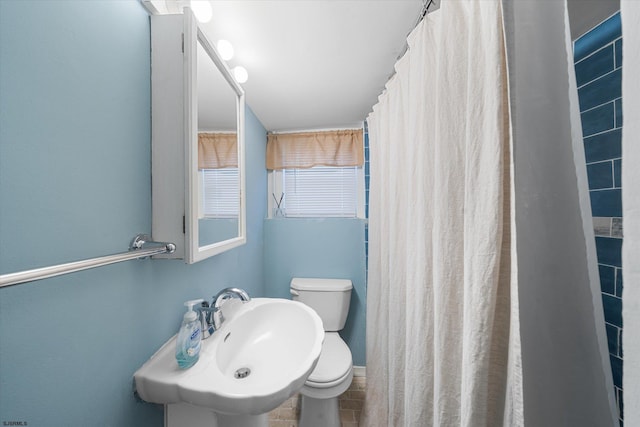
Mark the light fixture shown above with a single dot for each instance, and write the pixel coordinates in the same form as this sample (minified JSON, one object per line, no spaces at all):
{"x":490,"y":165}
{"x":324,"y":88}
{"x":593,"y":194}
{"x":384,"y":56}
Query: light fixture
{"x":225,"y":49}
{"x":202,"y":10}
{"x":240,"y":73}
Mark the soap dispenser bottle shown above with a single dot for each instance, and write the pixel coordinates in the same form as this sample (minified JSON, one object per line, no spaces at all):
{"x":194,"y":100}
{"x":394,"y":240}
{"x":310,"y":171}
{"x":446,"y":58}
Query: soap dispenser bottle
{"x":189,"y":337}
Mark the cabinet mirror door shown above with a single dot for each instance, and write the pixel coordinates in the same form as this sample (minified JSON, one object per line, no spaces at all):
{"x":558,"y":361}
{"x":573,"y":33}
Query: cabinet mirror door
{"x":216,"y":205}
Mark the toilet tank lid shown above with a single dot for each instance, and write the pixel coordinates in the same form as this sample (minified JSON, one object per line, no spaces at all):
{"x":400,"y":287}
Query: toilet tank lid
{"x":326,"y":285}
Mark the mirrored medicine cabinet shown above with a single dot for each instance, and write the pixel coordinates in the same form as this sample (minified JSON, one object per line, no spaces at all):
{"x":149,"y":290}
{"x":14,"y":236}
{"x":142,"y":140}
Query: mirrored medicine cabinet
{"x":195,"y":100}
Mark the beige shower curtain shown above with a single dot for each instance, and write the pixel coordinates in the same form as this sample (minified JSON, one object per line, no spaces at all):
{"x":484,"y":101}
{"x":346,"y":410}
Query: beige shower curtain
{"x":483,"y":309}
{"x":442,"y":341}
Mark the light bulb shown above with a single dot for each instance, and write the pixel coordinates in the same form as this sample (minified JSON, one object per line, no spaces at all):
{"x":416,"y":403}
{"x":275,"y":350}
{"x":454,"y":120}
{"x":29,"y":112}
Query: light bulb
{"x":240,"y":73}
{"x":225,"y":49}
{"x":202,"y":10}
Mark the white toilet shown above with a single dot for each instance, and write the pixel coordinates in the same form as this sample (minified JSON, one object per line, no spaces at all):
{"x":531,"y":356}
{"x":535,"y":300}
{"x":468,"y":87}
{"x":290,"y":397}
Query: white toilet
{"x":332,"y":375}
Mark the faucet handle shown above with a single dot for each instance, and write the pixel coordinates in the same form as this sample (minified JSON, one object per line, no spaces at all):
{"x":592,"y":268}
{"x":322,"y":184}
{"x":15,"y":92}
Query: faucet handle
{"x":206,"y":319}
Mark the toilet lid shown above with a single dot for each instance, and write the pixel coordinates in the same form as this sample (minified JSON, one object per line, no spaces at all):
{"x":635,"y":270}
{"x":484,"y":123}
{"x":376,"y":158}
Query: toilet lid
{"x":334,"y":362}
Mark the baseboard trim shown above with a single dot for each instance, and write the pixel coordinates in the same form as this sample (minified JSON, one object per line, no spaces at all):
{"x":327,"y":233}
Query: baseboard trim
{"x":359,"y":371}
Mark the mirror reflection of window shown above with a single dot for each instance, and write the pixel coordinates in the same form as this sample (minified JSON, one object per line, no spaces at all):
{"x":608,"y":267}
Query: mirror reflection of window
{"x":220,"y":193}
{"x":218,"y":175}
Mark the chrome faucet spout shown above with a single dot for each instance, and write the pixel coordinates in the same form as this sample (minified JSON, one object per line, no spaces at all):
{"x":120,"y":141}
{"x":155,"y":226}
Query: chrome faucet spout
{"x":229,"y":293}
{"x":209,"y":320}
{"x":221,"y":297}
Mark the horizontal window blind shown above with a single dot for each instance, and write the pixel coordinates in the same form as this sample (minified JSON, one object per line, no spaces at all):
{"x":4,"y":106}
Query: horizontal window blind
{"x":221,"y":193}
{"x":320,"y":192}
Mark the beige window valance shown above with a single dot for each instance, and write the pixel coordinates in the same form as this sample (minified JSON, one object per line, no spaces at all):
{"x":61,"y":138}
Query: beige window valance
{"x":308,"y":149}
{"x":217,"y":150}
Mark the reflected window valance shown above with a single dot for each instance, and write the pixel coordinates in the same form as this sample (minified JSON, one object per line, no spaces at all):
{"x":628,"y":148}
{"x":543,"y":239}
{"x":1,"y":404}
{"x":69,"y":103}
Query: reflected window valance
{"x":217,"y":150}
{"x":307,"y":149}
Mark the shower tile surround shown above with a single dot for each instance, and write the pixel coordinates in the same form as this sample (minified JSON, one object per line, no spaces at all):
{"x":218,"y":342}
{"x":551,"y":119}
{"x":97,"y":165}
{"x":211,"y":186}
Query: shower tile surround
{"x":598,"y":62}
{"x":367,"y":182}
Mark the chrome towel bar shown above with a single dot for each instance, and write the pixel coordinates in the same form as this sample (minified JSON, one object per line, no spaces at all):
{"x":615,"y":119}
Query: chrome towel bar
{"x":137,"y":249}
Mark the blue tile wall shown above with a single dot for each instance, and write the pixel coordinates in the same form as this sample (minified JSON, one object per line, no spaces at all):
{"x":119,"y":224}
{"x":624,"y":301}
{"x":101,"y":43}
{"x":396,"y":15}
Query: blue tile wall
{"x":367,"y":180}
{"x":598,"y":119}
{"x":612,"y":338}
{"x":605,"y":33}
{"x":598,"y":62}
{"x":607,"y":279}
{"x":604,"y":146}
{"x":603,"y":89}
{"x":618,"y":112}
{"x":612,"y":310}
{"x":617,"y":173}
{"x":620,"y":405}
{"x":609,"y":251}
{"x":600,"y":175}
{"x":606,"y":202}
{"x":619,"y":282}
{"x":367,"y":174}
{"x":616,"y":368}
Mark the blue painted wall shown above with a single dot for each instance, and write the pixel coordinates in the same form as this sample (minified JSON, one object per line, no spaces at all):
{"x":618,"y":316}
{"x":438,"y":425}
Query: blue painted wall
{"x":75,"y":102}
{"x":325,"y":248}
{"x":598,"y":64}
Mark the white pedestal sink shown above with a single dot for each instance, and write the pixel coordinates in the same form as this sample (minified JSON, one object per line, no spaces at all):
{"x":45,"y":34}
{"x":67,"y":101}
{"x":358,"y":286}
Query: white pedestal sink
{"x":261,"y":356}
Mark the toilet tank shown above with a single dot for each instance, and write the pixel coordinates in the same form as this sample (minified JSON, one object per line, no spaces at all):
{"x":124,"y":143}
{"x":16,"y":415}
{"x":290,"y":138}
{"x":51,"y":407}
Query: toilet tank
{"x":330,"y":298}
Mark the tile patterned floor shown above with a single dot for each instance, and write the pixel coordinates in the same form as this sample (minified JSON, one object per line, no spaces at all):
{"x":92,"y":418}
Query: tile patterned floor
{"x":351,"y":401}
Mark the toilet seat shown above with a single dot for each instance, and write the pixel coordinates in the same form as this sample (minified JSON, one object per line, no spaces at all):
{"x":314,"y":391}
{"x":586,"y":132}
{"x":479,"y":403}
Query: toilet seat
{"x":329,"y":384}
{"x":334,"y":365}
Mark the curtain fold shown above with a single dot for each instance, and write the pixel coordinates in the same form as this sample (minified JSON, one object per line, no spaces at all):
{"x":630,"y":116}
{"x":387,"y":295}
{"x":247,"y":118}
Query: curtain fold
{"x":217,"y":150}
{"x":303,"y":150}
{"x":440,"y":280}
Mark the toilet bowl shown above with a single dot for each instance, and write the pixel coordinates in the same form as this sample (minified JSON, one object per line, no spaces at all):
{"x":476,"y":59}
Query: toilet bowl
{"x":331,"y":377}
{"x":333,"y":373}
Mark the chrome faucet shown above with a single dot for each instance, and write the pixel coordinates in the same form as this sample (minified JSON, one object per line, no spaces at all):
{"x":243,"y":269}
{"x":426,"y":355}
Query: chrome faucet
{"x":207,"y":324}
{"x":208,"y":320}
{"x":224,"y":295}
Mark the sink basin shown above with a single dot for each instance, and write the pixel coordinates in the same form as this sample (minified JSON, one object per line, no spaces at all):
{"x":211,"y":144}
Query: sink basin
{"x":261,"y":356}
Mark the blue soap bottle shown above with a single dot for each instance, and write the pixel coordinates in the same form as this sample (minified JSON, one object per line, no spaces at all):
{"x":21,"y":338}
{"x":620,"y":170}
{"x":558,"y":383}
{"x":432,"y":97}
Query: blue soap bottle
{"x":189,"y":337}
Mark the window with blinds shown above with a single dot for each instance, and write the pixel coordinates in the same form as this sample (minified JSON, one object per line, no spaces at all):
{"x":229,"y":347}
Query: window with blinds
{"x":220,"y":193}
{"x":320,"y":192}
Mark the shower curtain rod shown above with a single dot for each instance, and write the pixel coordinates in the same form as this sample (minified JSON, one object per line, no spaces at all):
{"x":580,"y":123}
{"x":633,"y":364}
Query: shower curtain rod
{"x":426,"y":4}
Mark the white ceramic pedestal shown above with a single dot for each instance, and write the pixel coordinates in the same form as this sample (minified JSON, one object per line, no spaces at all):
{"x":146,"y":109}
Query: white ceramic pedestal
{"x":183,"y":414}
{"x":319,"y":412}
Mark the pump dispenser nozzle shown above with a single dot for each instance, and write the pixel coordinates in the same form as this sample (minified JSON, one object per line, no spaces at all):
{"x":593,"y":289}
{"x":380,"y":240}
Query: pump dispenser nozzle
{"x":191,"y":315}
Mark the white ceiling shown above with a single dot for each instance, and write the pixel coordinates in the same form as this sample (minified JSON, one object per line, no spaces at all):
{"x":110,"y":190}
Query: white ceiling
{"x":314,"y":64}
{"x":320,"y":64}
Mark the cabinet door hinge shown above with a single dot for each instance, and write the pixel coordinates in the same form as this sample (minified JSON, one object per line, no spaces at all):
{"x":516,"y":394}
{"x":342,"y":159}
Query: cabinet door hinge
{"x":184,"y":226}
{"x":182,"y":42}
